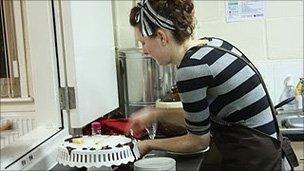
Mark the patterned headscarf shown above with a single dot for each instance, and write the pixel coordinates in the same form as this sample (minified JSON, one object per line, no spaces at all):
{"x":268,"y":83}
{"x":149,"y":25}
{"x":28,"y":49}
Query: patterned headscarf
{"x":146,"y":13}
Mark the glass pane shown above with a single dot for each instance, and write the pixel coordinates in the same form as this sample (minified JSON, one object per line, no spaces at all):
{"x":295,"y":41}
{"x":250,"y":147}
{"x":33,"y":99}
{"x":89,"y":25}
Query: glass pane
{"x":9,"y":76}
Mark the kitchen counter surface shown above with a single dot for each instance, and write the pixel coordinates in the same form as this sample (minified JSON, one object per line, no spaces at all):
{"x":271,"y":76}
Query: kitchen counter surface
{"x":191,"y":163}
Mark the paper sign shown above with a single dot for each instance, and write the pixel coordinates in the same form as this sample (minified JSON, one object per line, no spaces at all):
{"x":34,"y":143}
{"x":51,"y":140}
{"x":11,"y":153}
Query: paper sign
{"x":244,"y":10}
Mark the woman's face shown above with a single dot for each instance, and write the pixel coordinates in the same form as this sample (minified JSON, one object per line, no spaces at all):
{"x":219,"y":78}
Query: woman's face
{"x":154,"y":47}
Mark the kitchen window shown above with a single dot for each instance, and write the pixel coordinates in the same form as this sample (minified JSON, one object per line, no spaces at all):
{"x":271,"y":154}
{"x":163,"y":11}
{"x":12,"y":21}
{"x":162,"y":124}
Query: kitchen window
{"x":14,"y":83}
{"x":29,"y":58}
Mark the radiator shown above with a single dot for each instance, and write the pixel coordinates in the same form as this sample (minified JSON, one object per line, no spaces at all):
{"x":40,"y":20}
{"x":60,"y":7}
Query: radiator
{"x":21,"y":126}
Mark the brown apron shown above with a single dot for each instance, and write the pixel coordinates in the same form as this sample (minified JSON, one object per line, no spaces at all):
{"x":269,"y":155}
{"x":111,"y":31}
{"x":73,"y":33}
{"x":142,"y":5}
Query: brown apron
{"x":237,"y":147}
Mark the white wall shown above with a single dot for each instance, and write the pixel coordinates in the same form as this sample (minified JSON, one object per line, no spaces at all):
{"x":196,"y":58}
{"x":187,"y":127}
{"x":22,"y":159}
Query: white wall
{"x":274,"y":44}
{"x":278,"y":36}
{"x":125,"y":36}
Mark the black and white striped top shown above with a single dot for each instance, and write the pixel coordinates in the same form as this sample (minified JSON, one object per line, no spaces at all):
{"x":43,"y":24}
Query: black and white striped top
{"x":213,"y":82}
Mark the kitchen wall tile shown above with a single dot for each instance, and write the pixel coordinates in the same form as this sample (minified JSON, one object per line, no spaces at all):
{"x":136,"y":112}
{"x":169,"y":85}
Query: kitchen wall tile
{"x":275,"y":9}
{"x":274,"y":73}
{"x":285,"y":38}
{"x":122,"y":11}
{"x":126,"y":37}
{"x":208,"y":10}
{"x":266,"y":68}
{"x":282,"y":69}
{"x":248,"y":36}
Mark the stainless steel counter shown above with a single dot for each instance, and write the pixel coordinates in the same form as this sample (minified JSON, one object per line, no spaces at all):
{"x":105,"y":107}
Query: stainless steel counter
{"x":293,"y":133}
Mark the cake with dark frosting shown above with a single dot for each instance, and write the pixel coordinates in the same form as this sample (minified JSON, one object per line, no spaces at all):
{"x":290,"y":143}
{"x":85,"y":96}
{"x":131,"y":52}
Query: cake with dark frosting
{"x":171,"y":96}
{"x":170,"y":100}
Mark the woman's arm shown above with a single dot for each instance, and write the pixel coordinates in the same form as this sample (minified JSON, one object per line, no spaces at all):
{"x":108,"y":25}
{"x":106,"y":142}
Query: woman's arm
{"x":172,"y":116}
{"x":185,"y":143}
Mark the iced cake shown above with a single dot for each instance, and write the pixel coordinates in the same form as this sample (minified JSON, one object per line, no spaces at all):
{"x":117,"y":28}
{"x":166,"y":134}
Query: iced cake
{"x":96,"y":142}
{"x":170,"y":100}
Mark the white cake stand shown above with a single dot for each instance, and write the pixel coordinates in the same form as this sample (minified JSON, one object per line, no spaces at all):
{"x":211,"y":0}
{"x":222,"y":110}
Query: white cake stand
{"x":98,"y":158}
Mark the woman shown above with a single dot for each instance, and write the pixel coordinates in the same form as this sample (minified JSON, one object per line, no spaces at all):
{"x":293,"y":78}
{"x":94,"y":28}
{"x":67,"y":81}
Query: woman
{"x":221,"y":92}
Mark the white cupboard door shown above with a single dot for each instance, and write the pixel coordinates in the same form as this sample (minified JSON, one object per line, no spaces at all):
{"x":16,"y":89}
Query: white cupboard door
{"x":91,"y":66}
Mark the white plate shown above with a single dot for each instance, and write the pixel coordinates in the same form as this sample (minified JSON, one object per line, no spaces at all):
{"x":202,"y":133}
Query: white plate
{"x":189,"y":154}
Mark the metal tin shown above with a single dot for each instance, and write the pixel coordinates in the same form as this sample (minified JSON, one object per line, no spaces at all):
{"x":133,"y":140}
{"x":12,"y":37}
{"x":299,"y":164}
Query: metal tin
{"x":141,"y":79}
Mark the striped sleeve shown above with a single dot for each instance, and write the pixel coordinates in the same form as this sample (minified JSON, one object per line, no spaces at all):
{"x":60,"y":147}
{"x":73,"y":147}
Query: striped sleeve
{"x":192,"y":83}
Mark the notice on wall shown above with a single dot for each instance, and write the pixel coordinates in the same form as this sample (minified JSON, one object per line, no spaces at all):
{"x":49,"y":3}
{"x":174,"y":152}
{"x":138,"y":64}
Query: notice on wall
{"x":244,"y":10}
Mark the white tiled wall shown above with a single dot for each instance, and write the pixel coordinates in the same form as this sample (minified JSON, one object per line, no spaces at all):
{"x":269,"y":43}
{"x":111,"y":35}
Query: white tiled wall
{"x":285,"y":38}
{"x":125,"y":36}
{"x":278,"y":36}
{"x":275,"y":43}
{"x":277,"y":9}
{"x":274,"y":73}
{"x":252,"y":43}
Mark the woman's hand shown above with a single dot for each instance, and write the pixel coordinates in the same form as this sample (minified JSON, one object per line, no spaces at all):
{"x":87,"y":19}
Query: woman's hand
{"x":143,"y":147}
{"x":142,"y":119}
